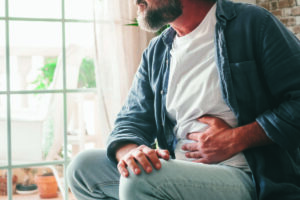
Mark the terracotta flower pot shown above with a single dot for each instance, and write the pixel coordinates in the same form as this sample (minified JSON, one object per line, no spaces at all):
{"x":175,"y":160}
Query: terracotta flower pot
{"x":3,"y":184}
{"x":47,"y":186}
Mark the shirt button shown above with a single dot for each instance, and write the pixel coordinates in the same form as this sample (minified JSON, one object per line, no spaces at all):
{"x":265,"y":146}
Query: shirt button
{"x":161,"y":92}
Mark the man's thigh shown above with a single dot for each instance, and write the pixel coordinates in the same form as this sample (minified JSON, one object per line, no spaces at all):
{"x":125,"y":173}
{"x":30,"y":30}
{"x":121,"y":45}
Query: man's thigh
{"x":92,"y":176}
{"x":181,"y":180}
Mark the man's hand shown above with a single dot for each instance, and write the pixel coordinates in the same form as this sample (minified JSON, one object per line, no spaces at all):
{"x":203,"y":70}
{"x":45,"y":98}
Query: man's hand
{"x":130,"y":155}
{"x":219,"y":141}
{"x":216,"y":144}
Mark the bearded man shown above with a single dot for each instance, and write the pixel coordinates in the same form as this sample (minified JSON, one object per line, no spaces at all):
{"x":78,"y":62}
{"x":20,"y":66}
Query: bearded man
{"x":220,"y":92}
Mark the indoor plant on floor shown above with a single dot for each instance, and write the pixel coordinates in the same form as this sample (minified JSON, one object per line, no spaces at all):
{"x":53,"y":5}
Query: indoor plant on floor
{"x":47,"y":185}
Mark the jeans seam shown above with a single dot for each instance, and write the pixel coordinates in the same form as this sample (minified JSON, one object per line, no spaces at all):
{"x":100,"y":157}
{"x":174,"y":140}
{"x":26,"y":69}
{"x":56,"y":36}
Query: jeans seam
{"x":204,"y":185}
{"x":104,"y":184}
{"x":201,"y":185}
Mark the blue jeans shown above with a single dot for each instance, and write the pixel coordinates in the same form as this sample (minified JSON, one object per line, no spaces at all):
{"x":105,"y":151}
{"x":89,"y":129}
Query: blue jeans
{"x":92,"y":176}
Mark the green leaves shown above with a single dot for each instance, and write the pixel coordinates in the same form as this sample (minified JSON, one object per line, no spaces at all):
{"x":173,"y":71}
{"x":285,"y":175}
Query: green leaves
{"x":86,"y":79}
{"x":134,"y":23}
{"x":45,"y":78}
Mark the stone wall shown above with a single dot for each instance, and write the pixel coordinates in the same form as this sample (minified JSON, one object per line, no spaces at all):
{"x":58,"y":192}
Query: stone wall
{"x":288,"y":11}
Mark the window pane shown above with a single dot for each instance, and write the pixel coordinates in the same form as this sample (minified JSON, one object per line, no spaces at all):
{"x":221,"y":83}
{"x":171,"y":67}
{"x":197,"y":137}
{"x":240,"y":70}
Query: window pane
{"x":42,"y":182}
{"x":3,"y":185}
{"x":2,"y":57}
{"x":79,"y":55}
{"x":2,"y":8}
{"x":83,"y":123}
{"x":37,"y":120}
{"x":35,"y":8}
{"x":35,"y":60}
{"x":79,"y":9}
{"x":3,"y":131}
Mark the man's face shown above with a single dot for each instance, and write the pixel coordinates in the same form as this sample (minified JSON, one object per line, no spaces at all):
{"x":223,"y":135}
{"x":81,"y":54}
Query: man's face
{"x":154,"y":14}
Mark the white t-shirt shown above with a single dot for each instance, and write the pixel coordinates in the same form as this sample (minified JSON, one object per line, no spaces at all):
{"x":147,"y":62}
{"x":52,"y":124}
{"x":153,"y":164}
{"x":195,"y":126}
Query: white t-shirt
{"x":194,"y":86}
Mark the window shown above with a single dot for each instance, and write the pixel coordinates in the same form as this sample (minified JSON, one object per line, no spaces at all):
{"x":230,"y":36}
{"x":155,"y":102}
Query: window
{"x":2,"y":8}
{"x":48,"y":102}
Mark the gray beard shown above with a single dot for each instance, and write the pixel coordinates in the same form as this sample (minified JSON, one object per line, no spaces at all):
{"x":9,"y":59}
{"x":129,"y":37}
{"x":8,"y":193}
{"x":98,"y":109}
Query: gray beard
{"x":153,"y":20}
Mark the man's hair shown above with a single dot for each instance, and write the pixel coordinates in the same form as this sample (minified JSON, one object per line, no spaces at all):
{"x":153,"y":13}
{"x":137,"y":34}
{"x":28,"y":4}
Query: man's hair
{"x":155,"y":19}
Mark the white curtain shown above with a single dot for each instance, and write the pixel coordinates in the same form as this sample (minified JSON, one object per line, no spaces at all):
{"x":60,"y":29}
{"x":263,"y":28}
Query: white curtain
{"x":118,"y":52}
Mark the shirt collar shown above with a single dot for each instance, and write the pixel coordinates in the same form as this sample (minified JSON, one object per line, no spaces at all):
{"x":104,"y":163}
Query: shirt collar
{"x":225,"y":12}
{"x":168,"y":37}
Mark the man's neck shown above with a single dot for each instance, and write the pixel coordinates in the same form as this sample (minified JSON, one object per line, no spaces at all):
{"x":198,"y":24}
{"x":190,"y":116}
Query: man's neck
{"x":193,"y":14}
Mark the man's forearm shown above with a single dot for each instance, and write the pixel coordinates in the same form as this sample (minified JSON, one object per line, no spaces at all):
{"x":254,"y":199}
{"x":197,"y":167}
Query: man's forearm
{"x":251,"y":135}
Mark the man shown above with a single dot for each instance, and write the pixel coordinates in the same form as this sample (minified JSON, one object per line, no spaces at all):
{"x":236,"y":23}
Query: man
{"x":220,"y":91}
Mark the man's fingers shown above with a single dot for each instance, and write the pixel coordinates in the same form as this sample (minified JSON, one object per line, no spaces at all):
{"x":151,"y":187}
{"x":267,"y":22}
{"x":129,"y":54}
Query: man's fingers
{"x":203,"y":160}
{"x":142,"y":159}
{"x":122,"y":169}
{"x":206,"y":119}
{"x":196,"y":154}
{"x":164,"y":154}
{"x":194,"y":136}
{"x":190,"y":147}
{"x":153,"y":157}
{"x":213,"y":121}
{"x":132,"y":165}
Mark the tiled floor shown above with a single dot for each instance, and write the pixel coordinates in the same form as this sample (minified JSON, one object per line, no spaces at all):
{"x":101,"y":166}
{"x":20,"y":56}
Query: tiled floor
{"x":35,"y":197}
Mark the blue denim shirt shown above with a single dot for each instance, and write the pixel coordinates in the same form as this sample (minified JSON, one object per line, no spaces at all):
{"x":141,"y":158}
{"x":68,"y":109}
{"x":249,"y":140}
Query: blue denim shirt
{"x":258,"y":61}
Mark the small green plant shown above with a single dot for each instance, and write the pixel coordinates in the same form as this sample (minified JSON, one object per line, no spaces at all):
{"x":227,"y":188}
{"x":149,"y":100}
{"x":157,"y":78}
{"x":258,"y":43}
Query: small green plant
{"x":86,"y":79}
{"x":45,"y":78}
{"x":48,"y":138}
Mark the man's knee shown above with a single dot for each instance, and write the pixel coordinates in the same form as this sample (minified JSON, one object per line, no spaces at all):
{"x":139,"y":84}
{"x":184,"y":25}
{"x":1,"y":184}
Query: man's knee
{"x":140,"y":186}
{"x":133,"y":186}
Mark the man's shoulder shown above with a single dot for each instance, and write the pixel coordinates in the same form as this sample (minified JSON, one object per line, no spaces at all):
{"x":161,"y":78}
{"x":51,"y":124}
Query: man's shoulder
{"x":156,"y":40}
{"x":250,"y":11}
{"x":159,"y":38}
{"x":248,"y":17}
{"x":157,"y":45}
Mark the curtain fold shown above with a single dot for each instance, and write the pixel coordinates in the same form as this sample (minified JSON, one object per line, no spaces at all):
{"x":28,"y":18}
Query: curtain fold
{"x":118,"y":52}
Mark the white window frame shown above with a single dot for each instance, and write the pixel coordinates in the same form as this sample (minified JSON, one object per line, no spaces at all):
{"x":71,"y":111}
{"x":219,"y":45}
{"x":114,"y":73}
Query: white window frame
{"x":9,"y":166}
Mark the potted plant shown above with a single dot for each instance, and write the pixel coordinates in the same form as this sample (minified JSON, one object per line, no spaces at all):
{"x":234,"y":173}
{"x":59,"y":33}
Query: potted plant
{"x":47,"y":185}
{"x":3,"y":184}
{"x":27,"y":186}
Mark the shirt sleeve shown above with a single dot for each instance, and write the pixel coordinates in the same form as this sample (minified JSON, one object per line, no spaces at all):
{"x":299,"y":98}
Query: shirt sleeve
{"x":280,"y":53}
{"x":135,"y":122}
